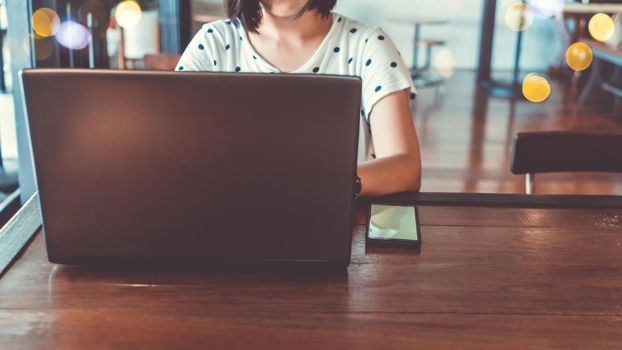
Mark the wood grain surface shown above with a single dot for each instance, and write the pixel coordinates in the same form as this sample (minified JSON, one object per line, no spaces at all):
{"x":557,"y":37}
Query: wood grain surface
{"x":484,"y":279}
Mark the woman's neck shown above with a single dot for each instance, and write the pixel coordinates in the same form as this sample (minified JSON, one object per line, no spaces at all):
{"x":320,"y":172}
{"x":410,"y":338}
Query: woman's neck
{"x":309,"y":25}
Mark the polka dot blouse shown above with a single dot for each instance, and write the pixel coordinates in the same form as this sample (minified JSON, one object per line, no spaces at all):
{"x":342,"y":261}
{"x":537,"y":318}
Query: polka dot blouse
{"x":350,"y":48}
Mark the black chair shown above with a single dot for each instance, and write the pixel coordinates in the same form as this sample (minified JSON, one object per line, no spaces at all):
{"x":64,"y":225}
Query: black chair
{"x":565,"y":151}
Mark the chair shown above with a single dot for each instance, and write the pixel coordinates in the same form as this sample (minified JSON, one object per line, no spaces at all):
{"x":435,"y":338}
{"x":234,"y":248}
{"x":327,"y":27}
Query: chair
{"x":565,"y":151}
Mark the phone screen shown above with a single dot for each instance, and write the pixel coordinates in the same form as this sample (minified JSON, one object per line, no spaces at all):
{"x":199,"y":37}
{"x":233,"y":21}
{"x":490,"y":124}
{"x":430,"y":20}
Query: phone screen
{"x":392,"y":223}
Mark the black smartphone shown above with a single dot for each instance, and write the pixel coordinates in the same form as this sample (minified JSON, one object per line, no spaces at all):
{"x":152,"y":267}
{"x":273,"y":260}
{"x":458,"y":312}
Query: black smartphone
{"x":393,"y":226}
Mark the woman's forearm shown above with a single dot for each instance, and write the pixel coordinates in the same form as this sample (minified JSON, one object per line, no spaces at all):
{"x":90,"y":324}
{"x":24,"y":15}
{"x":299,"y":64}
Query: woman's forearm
{"x":391,"y":174}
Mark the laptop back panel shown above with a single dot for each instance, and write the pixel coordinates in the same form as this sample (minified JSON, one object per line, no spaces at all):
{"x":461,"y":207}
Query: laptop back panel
{"x":194,"y":165}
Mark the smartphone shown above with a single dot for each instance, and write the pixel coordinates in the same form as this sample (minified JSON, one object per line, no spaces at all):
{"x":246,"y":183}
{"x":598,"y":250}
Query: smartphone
{"x":393,"y":226}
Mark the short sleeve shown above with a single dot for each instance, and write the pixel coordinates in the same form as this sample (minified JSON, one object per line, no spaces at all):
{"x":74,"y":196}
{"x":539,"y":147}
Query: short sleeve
{"x":198,"y":55}
{"x":383,"y":70}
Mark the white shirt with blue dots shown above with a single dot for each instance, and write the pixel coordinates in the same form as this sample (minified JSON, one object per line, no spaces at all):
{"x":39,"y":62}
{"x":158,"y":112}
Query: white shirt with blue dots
{"x":349,"y":48}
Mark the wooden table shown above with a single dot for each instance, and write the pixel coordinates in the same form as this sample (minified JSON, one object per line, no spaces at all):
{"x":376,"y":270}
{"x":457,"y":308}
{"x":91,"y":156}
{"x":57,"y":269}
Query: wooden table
{"x":484,"y":279}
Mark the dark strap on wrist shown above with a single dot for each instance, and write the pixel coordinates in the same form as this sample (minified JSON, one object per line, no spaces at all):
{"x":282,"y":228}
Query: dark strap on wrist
{"x":357,"y":187}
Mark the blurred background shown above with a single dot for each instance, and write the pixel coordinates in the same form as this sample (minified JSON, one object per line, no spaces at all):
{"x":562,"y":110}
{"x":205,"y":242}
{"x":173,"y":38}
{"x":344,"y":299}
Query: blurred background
{"x":485,"y":70}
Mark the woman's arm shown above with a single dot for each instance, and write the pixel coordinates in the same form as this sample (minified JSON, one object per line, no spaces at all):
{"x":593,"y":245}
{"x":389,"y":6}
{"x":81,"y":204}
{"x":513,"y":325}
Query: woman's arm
{"x":397,"y":167}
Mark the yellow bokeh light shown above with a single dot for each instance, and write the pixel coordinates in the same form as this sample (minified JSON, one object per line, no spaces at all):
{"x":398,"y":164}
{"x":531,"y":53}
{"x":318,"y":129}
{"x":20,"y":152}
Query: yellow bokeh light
{"x":579,"y":56}
{"x":45,"y":22}
{"x":444,"y":63}
{"x":536,"y":88}
{"x":518,"y":16}
{"x":128,"y":14}
{"x":601,"y":27}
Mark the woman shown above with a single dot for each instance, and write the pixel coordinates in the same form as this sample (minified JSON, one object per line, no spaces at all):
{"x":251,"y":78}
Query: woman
{"x":305,"y":36}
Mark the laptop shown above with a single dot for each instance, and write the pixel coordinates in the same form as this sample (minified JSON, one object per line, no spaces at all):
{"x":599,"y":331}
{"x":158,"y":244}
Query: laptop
{"x":194,"y":166}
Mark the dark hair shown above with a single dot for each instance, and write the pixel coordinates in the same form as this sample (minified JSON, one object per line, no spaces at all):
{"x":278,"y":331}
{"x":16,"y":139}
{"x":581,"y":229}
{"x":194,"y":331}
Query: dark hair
{"x":249,"y":11}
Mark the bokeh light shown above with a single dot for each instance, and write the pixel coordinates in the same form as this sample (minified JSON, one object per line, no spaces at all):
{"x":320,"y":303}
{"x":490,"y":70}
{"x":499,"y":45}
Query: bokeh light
{"x":444,"y":63}
{"x":45,"y":22}
{"x":601,"y":27}
{"x":128,"y":14}
{"x":518,"y":16}
{"x":73,"y":35}
{"x":536,"y":88}
{"x":579,"y":56}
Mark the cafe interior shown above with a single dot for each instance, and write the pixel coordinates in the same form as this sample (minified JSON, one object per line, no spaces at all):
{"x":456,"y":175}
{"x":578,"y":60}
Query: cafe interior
{"x":518,"y":113}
